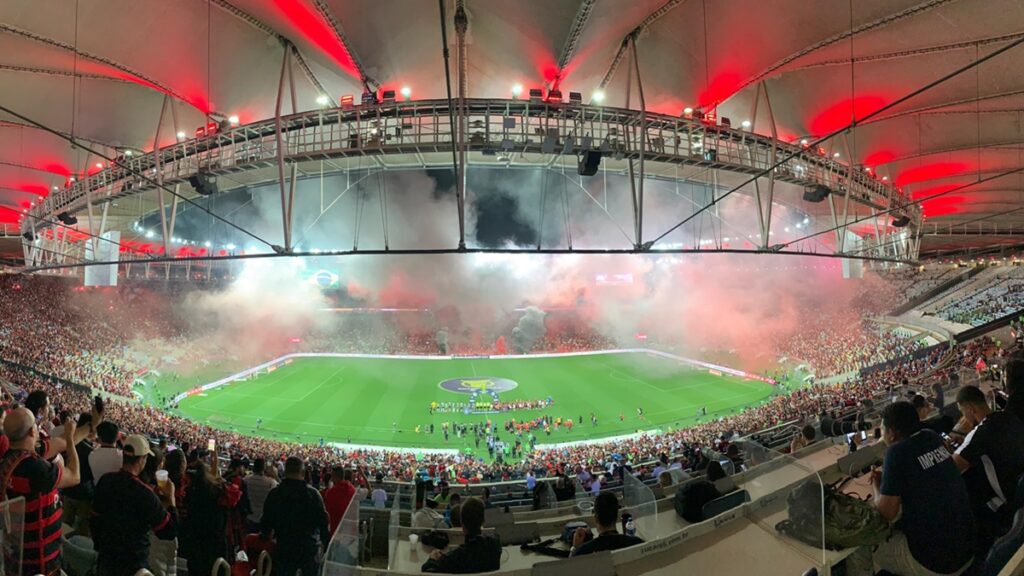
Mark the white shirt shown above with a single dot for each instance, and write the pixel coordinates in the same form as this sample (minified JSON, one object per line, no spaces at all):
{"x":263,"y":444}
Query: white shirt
{"x":103,"y":460}
{"x":258,"y":487}
{"x":595,"y":487}
{"x":379,"y":497}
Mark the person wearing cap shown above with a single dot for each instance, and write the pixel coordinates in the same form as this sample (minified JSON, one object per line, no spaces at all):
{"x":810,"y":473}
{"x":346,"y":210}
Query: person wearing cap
{"x":125,"y":511}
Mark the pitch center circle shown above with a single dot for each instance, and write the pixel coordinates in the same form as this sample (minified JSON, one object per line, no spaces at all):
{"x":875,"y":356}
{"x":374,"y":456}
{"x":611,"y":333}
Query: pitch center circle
{"x":478,"y":385}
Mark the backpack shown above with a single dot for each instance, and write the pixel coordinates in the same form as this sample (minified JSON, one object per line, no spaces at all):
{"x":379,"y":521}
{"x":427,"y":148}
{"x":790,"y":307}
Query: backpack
{"x":691,"y":498}
{"x":849,"y":521}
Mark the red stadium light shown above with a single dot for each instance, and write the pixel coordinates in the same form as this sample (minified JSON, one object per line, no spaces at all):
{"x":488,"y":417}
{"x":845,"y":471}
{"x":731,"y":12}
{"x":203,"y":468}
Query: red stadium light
{"x":347,"y":102}
{"x":207,"y":130}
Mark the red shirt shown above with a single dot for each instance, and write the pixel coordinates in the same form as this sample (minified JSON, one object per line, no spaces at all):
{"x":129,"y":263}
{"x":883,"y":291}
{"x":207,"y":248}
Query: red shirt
{"x":336,"y":500}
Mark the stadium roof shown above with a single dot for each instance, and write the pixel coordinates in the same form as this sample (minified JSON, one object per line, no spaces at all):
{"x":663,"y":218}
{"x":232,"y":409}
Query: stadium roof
{"x":822,"y":65}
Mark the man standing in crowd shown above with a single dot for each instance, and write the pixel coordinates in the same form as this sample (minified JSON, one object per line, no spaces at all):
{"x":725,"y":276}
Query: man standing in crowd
{"x":78,"y":499}
{"x":106,"y":458}
{"x":258,"y":484}
{"x":379,"y":497}
{"x":125,"y":510}
{"x":294,"y":513}
{"x":919,"y":479}
{"x":27,"y":473}
{"x":606,"y":514}
{"x":991,"y":459}
{"x":38,"y":403}
{"x":938,"y":395}
{"x":479,"y":553}
{"x":339,"y":495}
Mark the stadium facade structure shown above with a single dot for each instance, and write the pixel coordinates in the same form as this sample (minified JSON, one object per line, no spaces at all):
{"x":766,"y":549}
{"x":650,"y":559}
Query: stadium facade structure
{"x":855,"y":221}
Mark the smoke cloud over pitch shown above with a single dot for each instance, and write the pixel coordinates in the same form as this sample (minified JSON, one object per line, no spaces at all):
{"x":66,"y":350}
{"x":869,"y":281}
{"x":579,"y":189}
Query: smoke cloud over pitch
{"x":714,"y":301}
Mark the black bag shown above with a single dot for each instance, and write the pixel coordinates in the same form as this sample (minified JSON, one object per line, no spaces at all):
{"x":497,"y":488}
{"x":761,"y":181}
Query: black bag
{"x":435,"y":539}
{"x":691,"y":498}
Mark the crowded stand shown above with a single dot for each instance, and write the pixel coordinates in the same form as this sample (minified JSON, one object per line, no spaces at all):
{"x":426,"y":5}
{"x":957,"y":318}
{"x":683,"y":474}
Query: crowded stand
{"x":811,"y":400}
{"x":515,"y":450}
{"x":840,"y":343}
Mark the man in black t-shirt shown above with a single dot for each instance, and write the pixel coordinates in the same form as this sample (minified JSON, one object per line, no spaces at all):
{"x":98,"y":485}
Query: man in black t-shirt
{"x":294,"y":514}
{"x":479,"y":553}
{"x":606,"y":513}
{"x":919,"y":479}
{"x":991,"y":459}
{"x":125,"y":511}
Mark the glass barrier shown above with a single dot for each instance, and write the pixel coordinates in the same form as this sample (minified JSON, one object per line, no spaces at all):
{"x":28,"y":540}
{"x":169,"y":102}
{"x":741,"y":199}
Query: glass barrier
{"x":12,"y":524}
{"x":545,"y":496}
{"x":584,"y":501}
{"x":394,"y":521}
{"x":786,"y":497}
{"x":342,"y":555}
{"x":678,"y":476}
{"x":640,"y":500}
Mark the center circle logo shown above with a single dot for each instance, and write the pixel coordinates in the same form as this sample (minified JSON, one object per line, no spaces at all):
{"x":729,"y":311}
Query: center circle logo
{"x":477,"y":385}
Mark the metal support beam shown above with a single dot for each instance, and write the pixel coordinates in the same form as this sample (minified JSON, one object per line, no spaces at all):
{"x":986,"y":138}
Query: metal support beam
{"x":457,"y":165}
{"x":650,"y":19}
{"x":174,"y":208}
{"x":279,"y":139}
{"x":573,"y":39}
{"x":461,"y":28}
{"x":160,"y":176}
{"x":339,"y":33}
{"x":772,"y":159}
{"x":637,"y":184}
{"x":92,"y":234}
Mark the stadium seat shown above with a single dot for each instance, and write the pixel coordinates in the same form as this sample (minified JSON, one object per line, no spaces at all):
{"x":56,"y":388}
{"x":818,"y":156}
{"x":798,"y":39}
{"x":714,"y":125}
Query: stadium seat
{"x":1006,"y":546}
{"x":79,"y":556}
{"x":725,"y":503}
{"x":597,"y":564}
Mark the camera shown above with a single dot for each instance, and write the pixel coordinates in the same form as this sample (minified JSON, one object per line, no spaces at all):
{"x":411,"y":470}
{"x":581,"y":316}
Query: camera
{"x":832,"y":428}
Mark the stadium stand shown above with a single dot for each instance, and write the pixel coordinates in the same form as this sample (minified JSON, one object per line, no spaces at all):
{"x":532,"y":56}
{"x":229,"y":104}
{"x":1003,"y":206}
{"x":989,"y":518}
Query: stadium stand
{"x":682,"y":453}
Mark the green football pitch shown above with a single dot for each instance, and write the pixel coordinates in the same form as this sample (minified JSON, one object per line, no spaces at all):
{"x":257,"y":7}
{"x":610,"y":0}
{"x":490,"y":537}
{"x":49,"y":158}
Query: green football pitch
{"x":381,"y":401}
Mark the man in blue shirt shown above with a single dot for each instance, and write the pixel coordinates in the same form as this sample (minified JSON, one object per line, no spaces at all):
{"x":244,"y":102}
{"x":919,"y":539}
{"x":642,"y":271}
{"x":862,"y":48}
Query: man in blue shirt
{"x":919,"y":478}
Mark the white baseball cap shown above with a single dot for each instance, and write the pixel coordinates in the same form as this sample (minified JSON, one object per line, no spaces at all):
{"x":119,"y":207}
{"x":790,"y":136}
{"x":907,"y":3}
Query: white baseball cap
{"x":137,"y":445}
